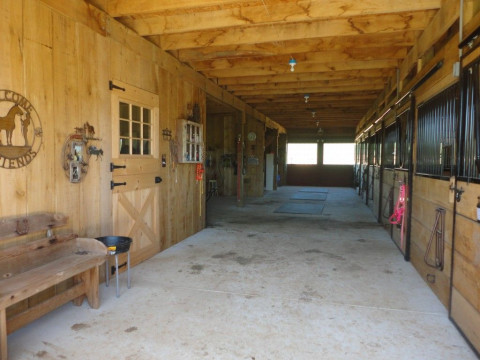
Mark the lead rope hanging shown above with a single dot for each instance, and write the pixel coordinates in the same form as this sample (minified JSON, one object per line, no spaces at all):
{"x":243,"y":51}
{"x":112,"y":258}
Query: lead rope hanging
{"x":438,"y":232}
{"x":398,"y":216}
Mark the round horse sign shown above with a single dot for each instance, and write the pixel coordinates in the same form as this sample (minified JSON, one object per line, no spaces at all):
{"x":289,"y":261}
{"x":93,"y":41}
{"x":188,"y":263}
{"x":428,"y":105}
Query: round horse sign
{"x":20,"y":130}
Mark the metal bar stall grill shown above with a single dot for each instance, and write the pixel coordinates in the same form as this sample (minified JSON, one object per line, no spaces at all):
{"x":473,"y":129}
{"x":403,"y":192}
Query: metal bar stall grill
{"x":405,"y":135}
{"x":371,"y":165}
{"x":436,"y":132}
{"x":469,"y":139}
{"x":390,"y":145}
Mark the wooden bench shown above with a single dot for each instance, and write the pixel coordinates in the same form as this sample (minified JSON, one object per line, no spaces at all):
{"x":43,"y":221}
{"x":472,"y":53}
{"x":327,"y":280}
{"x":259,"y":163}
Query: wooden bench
{"x":32,"y":268}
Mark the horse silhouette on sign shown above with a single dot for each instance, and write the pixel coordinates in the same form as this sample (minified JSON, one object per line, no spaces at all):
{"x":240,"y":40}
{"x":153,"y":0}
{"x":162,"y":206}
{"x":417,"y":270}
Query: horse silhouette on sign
{"x":7,"y":122}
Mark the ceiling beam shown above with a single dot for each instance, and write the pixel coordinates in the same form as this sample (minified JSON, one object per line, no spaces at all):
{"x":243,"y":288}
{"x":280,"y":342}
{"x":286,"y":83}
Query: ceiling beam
{"x":319,"y":105}
{"x":323,"y":57}
{"x":311,"y":90}
{"x":308,"y":84}
{"x":116,"y":8}
{"x":322,"y":123}
{"x":273,"y":12}
{"x":332,"y":75}
{"x":399,"y":38}
{"x":303,"y":68}
{"x":364,"y":95}
{"x":369,"y":24}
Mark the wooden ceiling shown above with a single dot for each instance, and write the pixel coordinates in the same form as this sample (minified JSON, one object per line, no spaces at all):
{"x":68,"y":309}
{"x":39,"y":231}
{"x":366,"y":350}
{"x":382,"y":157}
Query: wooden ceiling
{"x":346,"y":50}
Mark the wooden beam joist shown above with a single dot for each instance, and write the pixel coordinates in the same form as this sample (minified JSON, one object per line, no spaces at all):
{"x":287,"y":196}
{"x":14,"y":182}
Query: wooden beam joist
{"x":322,"y":123}
{"x":320,"y":106}
{"x":311,"y":90}
{"x":299,"y":85}
{"x":364,"y":95}
{"x":370,"y":24}
{"x":323,"y":57}
{"x":304,"y":68}
{"x":116,"y":8}
{"x":324,"y":76}
{"x":271,"y":13}
{"x":373,"y":41}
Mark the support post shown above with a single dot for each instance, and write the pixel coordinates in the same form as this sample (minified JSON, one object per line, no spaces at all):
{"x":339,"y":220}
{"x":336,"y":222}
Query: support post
{"x":3,"y":334}
{"x":240,"y":146}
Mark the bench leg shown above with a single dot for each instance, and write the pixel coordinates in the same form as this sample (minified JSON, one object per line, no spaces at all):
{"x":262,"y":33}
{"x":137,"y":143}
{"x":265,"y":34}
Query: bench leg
{"x":77,"y":279}
{"x":3,"y":334}
{"x":91,"y":287}
{"x":90,"y":280}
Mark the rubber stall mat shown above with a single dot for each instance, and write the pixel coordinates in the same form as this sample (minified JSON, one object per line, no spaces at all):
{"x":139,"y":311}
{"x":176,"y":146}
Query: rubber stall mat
{"x":297,"y":208}
{"x":309,"y":196}
{"x":314,"y":190}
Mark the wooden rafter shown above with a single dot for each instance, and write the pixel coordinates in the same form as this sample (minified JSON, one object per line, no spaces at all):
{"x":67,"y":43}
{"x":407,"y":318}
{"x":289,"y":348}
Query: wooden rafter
{"x":366,"y":41}
{"x":347,"y":51}
{"x":369,"y":24}
{"x":274,"y":12}
{"x":324,"y":57}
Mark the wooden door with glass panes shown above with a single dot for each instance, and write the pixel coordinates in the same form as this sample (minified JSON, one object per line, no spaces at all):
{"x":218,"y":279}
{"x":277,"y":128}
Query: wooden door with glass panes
{"x":135,"y":170}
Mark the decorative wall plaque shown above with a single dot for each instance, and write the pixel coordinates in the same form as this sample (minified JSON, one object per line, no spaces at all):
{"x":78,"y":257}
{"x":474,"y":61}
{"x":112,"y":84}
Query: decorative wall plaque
{"x":20,"y":130}
{"x":76,"y":154}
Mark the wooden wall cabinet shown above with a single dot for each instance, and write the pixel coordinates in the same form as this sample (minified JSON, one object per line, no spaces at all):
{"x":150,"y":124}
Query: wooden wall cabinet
{"x":190,"y":142}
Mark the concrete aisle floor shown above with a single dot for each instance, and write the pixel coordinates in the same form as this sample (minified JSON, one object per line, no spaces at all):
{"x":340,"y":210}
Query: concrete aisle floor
{"x":260,"y":285}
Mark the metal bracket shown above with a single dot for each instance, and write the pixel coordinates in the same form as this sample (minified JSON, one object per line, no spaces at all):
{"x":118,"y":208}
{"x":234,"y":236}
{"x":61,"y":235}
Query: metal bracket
{"x":458,"y":192}
{"x":112,"y":86}
{"x":113,"y":184}
{"x":113,"y":270}
{"x":113,"y":167}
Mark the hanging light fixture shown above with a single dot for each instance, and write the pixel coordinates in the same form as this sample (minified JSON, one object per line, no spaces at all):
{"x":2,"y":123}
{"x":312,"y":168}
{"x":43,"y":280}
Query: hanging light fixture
{"x":292,"y":64}
{"x":306,"y":96}
{"x":313,"y":113}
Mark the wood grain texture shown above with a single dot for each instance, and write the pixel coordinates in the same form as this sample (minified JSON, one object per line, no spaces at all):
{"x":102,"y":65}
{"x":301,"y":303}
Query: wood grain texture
{"x":466,"y":317}
{"x":10,"y":226}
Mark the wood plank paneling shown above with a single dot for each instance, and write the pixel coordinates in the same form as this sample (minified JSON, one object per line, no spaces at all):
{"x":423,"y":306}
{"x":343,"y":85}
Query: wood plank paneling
{"x":430,"y":194}
{"x":62,"y":63}
{"x":467,"y":318}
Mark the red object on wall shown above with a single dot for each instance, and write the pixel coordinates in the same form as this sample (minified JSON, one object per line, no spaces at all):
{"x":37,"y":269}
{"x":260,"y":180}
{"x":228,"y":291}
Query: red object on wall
{"x":199,"y":172}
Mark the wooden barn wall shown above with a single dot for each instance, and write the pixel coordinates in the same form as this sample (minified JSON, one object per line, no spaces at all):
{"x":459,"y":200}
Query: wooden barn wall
{"x":320,"y":175}
{"x":460,"y":292}
{"x":62,"y":64}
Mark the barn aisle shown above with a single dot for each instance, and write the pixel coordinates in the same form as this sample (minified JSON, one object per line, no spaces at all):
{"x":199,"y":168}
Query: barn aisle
{"x":258,"y":284}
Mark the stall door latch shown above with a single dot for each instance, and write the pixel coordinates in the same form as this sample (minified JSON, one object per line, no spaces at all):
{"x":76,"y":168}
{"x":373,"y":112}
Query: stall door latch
{"x":458,"y":192}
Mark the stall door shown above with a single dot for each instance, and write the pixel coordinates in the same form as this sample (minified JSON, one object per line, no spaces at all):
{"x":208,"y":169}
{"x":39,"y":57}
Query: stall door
{"x":135,"y":170}
{"x":465,"y":298}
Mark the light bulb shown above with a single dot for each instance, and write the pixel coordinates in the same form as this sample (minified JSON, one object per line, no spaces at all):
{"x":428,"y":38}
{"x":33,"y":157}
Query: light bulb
{"x":292,"y":64}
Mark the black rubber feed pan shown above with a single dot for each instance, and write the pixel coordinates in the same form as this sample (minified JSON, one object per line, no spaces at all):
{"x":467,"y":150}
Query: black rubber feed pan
{"x":116,"y":244}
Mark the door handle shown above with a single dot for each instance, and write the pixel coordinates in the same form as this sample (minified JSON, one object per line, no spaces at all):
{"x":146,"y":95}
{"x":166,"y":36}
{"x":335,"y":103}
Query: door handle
{"x":113,"y":184}
{"x":113,"y":167}
{"x":158,"y":179}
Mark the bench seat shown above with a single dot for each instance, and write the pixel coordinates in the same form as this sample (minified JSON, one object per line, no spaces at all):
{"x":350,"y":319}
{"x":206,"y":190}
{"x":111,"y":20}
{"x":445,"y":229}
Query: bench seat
{"x":47,"y":263}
